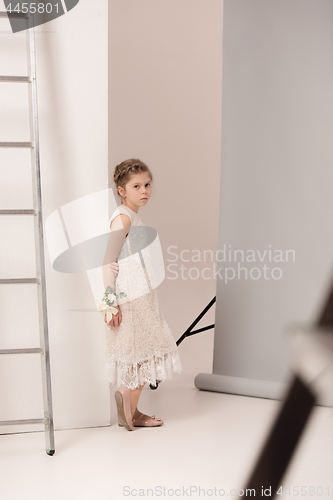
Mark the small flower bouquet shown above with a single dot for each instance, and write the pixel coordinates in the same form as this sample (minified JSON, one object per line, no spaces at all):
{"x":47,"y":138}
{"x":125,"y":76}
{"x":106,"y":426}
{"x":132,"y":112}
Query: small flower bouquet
{"x":109,"y":301}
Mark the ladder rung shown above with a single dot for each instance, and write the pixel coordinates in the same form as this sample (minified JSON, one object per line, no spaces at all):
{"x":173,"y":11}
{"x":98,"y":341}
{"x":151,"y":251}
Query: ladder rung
{"x":18,"y":15}
{"x":26,"y":79}
{"x":28,"y":421}
{"x":14,"y":281}
{"x":16,"y":145}
{"x":23,"y":211}
{"x":28,"y":350}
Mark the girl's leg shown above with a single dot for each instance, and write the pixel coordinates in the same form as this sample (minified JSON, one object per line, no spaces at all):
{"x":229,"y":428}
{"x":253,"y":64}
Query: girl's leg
{"x":134,"y":395}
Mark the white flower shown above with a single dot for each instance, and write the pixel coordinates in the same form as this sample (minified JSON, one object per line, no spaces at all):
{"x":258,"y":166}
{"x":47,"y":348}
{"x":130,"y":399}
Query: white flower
{"x":111,"y":297}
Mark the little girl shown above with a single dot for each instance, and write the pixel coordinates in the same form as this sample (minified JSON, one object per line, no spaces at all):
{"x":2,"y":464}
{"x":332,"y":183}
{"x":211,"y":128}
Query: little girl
{"x":139,"y":344}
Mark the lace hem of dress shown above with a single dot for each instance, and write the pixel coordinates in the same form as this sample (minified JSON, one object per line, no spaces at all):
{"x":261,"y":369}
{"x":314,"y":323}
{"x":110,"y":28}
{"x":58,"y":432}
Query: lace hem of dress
{"x":134,"y":375}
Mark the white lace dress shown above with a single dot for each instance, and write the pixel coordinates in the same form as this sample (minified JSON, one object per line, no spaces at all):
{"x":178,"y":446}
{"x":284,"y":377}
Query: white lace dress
{"x":142,"y":348}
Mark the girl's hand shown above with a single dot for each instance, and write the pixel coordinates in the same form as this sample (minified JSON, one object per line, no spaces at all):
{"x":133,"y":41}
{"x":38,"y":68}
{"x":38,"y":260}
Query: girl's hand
{"x":116,"y":319}
{"x":114,"y":268}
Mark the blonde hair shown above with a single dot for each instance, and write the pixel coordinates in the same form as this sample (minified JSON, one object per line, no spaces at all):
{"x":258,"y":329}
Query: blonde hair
{"x":125,"y":171}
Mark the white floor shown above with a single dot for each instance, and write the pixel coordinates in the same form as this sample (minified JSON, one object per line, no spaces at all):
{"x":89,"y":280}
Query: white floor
{"x":209,"y":440}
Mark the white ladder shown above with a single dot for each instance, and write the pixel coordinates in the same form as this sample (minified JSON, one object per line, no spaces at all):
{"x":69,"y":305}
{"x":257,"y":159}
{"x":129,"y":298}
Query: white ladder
{"x":43,"y":349}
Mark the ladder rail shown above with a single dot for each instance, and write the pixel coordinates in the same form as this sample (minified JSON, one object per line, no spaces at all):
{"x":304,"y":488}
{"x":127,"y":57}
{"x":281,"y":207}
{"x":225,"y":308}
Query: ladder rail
{"x":39,"y":243}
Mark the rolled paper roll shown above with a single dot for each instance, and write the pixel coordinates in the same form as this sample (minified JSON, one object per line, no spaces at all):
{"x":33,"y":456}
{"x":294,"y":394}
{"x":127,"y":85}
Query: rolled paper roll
{"x":108,"y":310}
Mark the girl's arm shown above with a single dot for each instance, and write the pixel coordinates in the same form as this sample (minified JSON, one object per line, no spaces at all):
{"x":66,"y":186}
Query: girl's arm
{"x":116,"y":240}
{"x":119,"y":230}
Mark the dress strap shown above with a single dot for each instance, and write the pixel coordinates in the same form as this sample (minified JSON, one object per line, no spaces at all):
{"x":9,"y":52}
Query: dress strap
{"x":121,"y":210}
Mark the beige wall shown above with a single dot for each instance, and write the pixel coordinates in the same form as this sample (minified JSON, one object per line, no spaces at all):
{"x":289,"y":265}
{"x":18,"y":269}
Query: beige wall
{"x":165,"y":74}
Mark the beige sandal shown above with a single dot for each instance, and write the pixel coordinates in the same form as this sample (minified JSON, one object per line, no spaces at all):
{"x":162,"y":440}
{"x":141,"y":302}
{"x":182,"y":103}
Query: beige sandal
{"x":144,"y":420}
{"x":125,"y":414}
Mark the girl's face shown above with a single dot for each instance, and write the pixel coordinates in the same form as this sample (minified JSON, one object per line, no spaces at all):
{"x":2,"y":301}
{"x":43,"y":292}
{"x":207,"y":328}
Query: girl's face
{"x":137,"y":191}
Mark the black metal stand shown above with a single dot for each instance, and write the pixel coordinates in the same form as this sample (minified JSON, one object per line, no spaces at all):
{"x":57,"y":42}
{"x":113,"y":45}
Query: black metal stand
{"x":189,"y":332}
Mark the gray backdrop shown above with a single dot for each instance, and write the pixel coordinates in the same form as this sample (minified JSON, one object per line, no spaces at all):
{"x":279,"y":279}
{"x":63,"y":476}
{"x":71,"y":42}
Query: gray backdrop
{"x":276,"y":187}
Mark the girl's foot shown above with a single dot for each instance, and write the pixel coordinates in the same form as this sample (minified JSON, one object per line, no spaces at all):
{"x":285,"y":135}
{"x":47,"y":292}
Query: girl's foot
{"x":141,"y":420}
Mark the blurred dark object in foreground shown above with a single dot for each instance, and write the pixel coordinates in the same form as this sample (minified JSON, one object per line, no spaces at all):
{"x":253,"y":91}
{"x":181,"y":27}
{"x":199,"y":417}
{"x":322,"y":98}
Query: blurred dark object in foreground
{"x":313,"y":351}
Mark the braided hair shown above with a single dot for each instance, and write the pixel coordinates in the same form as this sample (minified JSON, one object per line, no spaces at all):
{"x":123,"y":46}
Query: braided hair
{"x":126,"y":169}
